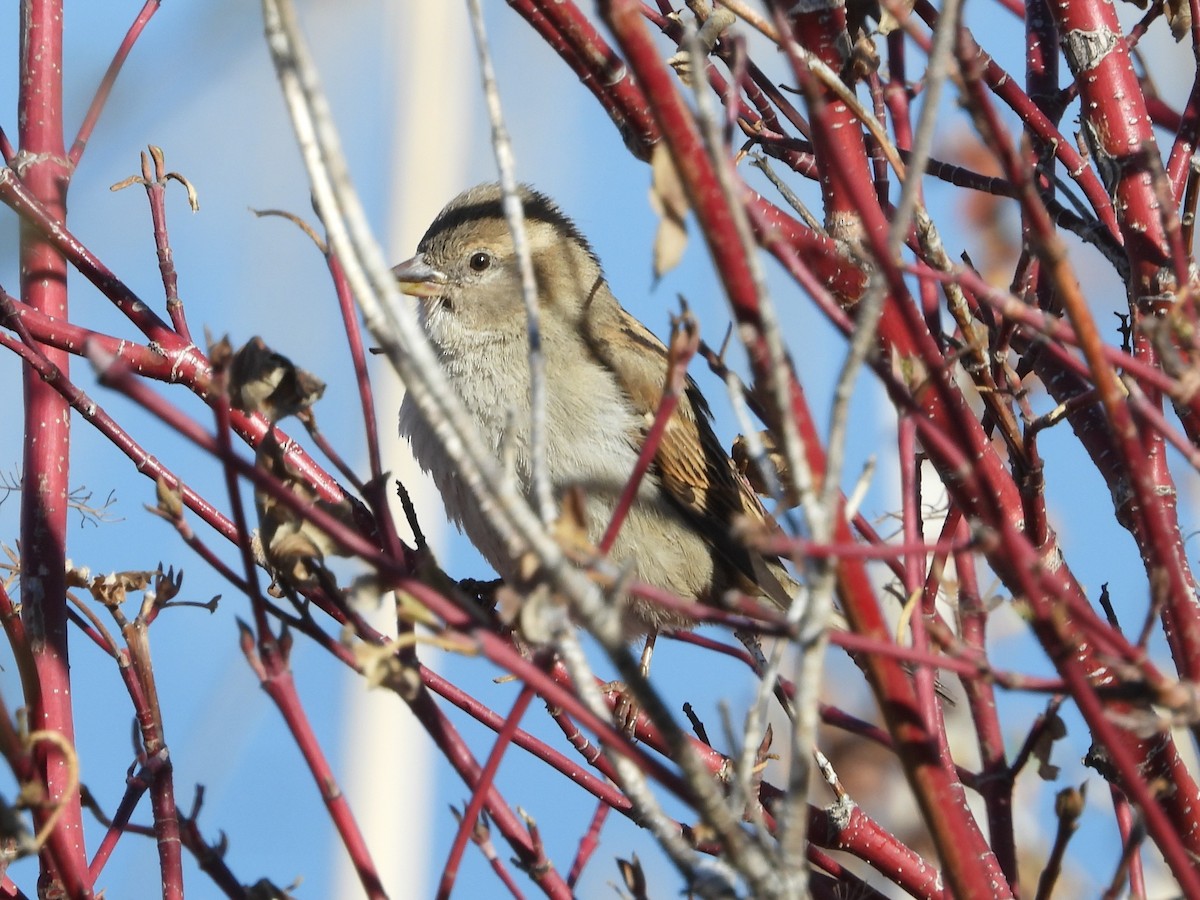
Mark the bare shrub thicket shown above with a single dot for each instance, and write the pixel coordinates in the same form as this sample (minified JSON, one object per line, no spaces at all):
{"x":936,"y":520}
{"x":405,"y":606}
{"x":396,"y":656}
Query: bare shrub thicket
{"x":985,"y":323}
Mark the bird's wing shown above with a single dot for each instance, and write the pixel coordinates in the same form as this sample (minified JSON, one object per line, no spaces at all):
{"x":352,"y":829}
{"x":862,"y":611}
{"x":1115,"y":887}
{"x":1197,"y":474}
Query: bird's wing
{"x":691,"y":464}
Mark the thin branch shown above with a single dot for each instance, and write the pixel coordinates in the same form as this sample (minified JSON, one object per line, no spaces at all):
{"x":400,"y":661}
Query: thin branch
{"x":514,"y":213}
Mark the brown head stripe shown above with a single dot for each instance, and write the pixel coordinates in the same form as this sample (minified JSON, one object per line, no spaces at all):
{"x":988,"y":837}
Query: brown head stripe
{"x":538,"y":208}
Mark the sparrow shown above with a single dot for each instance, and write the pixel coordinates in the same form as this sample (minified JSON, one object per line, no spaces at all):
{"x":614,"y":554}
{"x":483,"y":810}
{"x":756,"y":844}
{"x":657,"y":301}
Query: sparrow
{"x":605,"y":373}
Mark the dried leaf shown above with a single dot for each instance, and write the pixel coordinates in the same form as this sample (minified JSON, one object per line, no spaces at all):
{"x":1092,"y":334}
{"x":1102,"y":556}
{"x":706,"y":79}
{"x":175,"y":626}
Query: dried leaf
{"x":410,"y":609}
{"x":710,"y":32}
{"x":289,"y":540}
{"x":113,"y":588}
{"x":864,"y":60}
{"x":167,"y":584}
{"x":669,"y":202}
{"x":382,"y":667}
{"x":508,"y":604}
{"x":263,"y":381}
{"x":633,"y":876}
{"x":1179,"y":17}
{"x":888,"y":22}
{"x":1055,"y":729}
{"x":748,"y":470}
{"x":77,"y":578}
{"x":170,"y":500}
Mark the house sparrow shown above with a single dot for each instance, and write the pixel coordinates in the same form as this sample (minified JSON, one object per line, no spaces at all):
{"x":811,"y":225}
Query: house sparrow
{"x":605,"y":374}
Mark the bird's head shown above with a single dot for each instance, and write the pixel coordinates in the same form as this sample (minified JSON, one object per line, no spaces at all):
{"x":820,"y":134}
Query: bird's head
{"x":467,"y":274}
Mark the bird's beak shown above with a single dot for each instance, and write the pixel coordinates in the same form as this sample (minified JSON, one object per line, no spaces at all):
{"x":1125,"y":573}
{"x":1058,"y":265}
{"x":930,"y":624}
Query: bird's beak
{"x":419,"y":279}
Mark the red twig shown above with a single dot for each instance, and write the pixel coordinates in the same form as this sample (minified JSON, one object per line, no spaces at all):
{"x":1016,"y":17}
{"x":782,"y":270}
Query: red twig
{"x":155,"y":182}
{"x":358,"y":358}
{"x":44,"y":176}
{"x":471,"y":814}
{"x":684,"y":341}
{"x":186,"y":362}
{"x":270,"y":663}
{"x":110,"y":78}
{"x":942,"y":800}
{"x":588,"y":843}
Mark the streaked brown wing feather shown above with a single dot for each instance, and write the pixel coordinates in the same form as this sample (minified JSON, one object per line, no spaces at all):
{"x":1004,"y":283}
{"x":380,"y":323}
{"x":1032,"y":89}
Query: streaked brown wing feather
{"x":692,"y":466}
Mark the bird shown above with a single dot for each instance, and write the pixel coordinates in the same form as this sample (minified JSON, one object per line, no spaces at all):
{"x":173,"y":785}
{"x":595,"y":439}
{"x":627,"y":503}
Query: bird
{"x":605,"y":372}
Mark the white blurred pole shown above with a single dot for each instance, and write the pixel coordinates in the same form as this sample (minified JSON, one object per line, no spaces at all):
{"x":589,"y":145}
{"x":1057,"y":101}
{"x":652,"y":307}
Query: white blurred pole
{"x":388,"y":771}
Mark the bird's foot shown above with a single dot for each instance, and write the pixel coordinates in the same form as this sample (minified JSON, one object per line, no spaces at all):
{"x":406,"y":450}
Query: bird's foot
{"x":626,"y":709}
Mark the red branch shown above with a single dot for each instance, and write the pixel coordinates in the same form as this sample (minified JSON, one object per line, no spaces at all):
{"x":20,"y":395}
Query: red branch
{"x":44,"y":174}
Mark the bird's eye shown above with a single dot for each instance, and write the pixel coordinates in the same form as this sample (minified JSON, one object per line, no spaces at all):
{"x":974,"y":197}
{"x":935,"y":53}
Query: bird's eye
{"x":479,"y":261}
